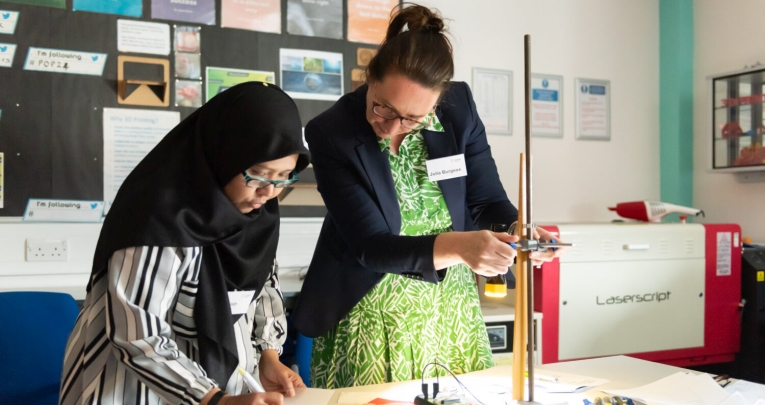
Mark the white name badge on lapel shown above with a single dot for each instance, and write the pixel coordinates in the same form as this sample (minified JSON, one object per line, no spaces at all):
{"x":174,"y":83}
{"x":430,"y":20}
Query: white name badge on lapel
{"x":240,"y":301}
{"x":446,"y":167}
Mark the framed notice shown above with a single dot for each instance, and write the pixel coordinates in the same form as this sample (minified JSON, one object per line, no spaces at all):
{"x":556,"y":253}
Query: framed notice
{"x":547,"y":105}
{"x":493,"y":95}
{"x":593,"y":109}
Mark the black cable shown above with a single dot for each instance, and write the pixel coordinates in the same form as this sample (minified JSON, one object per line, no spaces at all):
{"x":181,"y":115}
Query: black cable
{"x":424,"y":386}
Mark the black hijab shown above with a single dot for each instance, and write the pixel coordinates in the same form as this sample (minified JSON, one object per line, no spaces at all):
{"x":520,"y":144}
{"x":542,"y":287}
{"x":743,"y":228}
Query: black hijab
{"x":174,"y":197}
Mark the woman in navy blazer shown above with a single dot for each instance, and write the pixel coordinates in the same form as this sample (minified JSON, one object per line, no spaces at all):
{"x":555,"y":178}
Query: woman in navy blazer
{"x":361,"y":243}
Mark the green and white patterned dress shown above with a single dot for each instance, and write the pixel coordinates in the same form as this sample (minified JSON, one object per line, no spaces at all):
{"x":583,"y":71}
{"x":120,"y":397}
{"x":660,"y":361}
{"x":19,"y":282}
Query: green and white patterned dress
{"x":403,"y":324}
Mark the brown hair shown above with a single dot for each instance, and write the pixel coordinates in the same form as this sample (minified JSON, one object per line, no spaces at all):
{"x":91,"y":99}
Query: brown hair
{"x":415,"y":46}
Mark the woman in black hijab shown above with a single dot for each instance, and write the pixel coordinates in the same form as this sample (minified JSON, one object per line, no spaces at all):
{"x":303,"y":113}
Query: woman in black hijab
{"x":184,"y":289}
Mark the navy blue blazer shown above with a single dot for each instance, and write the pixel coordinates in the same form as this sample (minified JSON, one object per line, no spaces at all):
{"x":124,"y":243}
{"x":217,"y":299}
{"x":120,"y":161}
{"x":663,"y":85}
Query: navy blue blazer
{"x":359,"y":241}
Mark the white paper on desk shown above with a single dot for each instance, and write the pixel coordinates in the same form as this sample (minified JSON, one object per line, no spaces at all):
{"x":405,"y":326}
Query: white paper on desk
{"x":565,"y":382}
{"x":678,"y":389}
{"x":738,"y":399}
{"x":309,"y":396}
{"x":752,"y":393}
{"x":498,"y":390}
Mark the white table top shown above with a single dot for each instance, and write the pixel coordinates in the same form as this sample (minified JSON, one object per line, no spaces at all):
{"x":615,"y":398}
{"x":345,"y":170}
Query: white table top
{"x":621,"y":371}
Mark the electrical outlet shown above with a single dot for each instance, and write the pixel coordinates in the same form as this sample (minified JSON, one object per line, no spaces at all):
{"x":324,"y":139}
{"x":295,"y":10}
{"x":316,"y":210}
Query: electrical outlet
{"x":47,"y":250}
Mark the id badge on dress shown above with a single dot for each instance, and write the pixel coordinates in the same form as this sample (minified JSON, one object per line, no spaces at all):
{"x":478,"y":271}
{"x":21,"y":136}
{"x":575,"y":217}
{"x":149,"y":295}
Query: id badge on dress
{"x":240,"y":301}
{"x":446,"y":167}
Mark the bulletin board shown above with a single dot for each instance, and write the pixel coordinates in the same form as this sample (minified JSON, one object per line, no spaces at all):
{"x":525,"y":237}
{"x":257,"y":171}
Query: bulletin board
{"x":51,"y":129}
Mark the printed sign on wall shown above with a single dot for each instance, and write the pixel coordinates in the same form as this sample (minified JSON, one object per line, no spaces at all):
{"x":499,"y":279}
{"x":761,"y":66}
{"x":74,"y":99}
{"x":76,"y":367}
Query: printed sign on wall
{"x":63,"y":61}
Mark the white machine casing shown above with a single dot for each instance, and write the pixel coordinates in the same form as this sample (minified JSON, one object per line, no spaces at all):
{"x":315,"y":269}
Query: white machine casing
{"x":661,"y":292}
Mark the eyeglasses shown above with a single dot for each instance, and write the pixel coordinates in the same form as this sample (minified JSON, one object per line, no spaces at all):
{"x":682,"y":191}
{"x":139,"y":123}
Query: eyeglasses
{"x":386,"y":113}
{"x":259,"y":182}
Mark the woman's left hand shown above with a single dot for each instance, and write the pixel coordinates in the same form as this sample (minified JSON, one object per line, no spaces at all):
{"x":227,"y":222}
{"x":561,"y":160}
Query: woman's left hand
{"x":275,"y":376}
{"x":538,"y":258}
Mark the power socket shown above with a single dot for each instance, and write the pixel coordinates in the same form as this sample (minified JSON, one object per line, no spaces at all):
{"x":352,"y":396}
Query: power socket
{"x":47,"y":250}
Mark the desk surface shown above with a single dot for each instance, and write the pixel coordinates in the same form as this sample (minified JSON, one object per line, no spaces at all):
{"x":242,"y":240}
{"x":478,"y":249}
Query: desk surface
{"x":622,"y":372}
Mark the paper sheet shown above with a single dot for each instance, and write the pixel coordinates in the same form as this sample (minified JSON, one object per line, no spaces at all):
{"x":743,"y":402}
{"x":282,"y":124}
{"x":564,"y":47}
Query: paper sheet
{"x":309,"y":396}
{"x":1,"y":179}
{"x":492,"y":91}
{"x":564,"y":382}
{"x":143,"y":37}
{"x":7,"y":52}
{"x":128,"y":136}
{"x":751,"y":393}
{"x":679,"y":389}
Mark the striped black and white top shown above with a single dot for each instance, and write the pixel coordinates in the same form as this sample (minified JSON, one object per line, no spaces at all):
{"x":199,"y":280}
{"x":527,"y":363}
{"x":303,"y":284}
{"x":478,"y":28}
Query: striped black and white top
{"x":135,"y":340}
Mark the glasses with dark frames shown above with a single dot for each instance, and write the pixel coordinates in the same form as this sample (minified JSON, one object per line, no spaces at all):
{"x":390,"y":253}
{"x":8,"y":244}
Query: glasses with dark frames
{"x":385,"y":112}
{"x":259,"y":182}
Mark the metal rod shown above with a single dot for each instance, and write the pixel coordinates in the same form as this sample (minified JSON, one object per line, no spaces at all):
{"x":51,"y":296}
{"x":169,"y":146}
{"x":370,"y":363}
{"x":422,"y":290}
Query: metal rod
{"x":529,"y":218}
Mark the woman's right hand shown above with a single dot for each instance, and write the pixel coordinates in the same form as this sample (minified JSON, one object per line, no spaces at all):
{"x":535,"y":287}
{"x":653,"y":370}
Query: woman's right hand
{"x":486,"y":253}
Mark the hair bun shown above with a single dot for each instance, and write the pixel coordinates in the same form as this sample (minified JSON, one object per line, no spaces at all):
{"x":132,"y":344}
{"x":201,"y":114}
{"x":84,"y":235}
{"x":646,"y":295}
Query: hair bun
{"x":433,"y":24}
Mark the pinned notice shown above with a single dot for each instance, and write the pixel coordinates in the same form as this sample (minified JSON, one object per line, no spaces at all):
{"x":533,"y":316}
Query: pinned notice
{"x":46,"y":210}
{"x":143,"y":37}
{"x":7,"y":51}
{"x":61,"y":61}
{"x":1,"y":178}
{"x":8,"y":20}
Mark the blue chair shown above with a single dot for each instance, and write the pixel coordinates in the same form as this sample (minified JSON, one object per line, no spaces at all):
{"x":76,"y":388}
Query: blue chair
{"x":303,"y":357}
{"x":34,"y":328}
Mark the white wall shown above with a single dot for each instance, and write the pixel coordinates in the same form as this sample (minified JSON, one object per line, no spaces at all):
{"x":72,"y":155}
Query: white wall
{"x":727,"y":38}
{"x":297,"y":239}
{"x":596,"y":39}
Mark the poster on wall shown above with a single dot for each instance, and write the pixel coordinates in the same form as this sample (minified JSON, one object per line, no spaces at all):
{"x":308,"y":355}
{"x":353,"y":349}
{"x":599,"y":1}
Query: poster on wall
{"x":368,"y":20}
{"x":547,"y":105}
{"x":129,"y":135}
{"x":188,"y":93}
{"x":131,"y":8}
{"x":143,"y":37}
{"x":311,"y":75}
{"x":261,"y":15}
{"x":593,"y":109}
{"x":188,"y":65}
{"x":47,"y":3}
{"x":493,"y":95}
{"x":315,"y":18}
{"x":64,"y":61}
{"x":196,"y":11}
{"x":7,"y":52}
{"x":187,"y":39}
{"x":220,"y":79}
{"x":1,"y":179}
{"x":8,"y":20}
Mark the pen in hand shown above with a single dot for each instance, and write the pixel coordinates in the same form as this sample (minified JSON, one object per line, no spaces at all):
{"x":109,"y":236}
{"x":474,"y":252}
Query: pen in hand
{"x":251,"y":382}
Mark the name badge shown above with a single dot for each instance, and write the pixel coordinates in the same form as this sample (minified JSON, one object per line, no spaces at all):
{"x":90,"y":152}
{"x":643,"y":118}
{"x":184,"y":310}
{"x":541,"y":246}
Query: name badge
{"x":240,"y":301}
{"x":447,"y":167}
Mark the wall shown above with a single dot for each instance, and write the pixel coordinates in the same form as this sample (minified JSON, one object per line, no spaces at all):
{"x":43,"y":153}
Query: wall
{"x":297,"y":239}
{"x":597,"y":39}
{"x":726,"y":40}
